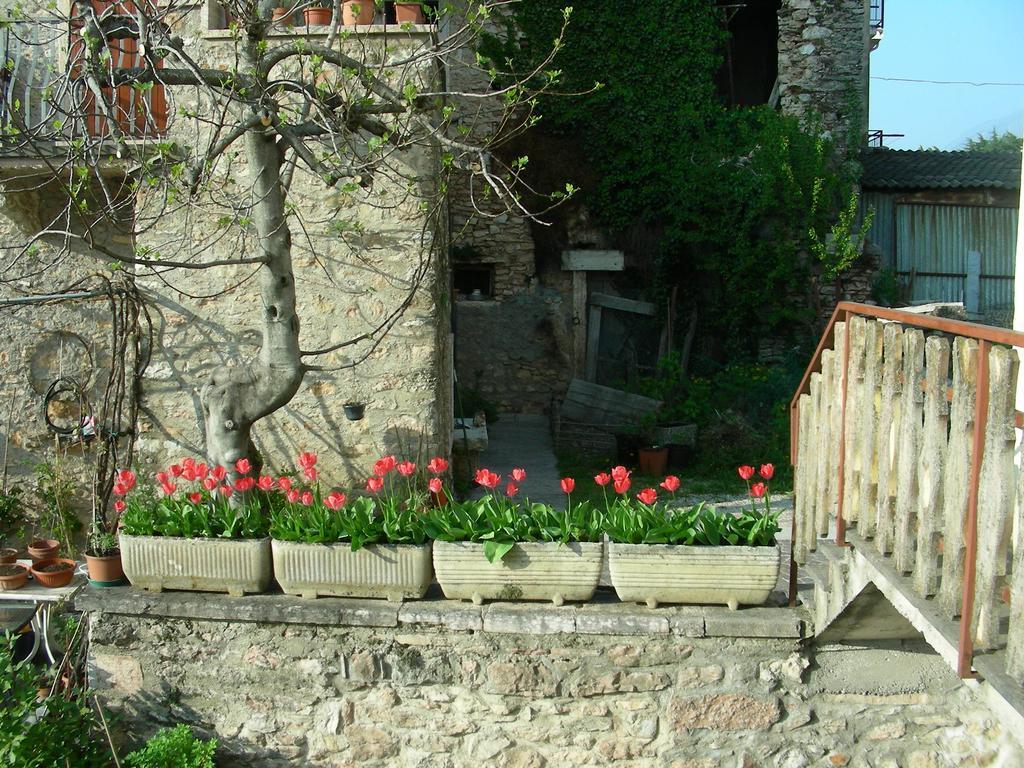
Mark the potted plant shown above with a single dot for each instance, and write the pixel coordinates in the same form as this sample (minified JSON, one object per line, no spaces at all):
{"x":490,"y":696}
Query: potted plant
{"x":103,"y":557}
{"x":284,"y":15}
{"x":372,"y":546}
{"x":10,"y":523}
{"x":13,"y":576}
{"x":54,"y":572}
{"x":665,"y":554}
{"x":320,"y":13}
{"x":202,"y":529}
{"x":357,"y":12}
{"x":493,"y":548}
{"x":409,"y":13}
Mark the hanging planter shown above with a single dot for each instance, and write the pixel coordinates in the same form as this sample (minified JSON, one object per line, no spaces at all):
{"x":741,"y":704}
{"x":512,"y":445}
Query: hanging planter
{"x":408,"y":13}
{"x":357,"y":12}
{"x":354,"y":411}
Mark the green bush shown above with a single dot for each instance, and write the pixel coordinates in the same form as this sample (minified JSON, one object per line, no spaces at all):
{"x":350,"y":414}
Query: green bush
{"x":61,"y":730}
{"x":174,"y":748}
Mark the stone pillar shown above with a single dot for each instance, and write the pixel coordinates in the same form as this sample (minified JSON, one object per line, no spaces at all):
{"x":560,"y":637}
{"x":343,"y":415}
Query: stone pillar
{"x":823,"y":64}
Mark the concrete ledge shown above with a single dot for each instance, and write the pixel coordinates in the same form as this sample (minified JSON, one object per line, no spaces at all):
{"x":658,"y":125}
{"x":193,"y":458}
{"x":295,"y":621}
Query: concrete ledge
{"x":605,"y":616}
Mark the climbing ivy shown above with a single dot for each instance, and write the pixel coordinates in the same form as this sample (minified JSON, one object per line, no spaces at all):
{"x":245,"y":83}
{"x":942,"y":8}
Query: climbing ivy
{"x":736,"y":196}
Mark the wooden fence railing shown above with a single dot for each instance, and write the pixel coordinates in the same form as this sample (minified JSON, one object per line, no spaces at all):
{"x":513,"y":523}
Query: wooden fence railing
{"x":904,"y":426}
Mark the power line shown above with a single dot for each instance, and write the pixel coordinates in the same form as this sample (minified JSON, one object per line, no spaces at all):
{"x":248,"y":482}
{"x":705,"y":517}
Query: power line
{"x":943,"y":82}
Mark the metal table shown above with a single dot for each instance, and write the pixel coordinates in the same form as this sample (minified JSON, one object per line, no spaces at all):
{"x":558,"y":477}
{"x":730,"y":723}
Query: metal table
{"x":42,"y":600}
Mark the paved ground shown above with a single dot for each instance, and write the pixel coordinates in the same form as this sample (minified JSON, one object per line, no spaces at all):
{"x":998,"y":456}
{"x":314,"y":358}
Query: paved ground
{"x":524,"y":440}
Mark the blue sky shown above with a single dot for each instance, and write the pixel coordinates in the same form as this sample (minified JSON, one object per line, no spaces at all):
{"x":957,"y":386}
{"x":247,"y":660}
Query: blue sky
{"x":979,"y":40}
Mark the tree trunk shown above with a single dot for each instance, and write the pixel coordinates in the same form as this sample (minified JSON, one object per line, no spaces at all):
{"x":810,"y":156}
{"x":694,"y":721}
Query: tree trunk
{"x":236,"y":397}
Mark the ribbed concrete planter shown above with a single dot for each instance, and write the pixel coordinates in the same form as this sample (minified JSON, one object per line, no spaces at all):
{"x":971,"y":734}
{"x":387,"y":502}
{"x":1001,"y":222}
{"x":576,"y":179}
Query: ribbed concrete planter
{"x":671,"y":573}
{"x":235,"y":566}
{"x":530,"y":571}
{"x":392,"y":571}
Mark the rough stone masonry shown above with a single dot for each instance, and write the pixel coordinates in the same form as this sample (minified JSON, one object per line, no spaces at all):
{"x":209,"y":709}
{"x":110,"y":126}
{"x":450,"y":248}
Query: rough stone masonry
{"x":440,"y":684}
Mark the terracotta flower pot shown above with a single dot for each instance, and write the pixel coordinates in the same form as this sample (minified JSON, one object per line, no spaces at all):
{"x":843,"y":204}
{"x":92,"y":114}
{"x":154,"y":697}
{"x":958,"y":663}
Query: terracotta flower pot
{"x":357,"y":12}
{"x":318,"y":17}
{"x":43,"y":549}
{"x":282,"y":14}
{"x":106,"y":570}
{"x":8,"y":555}
{"x":653,"y":461}
{"x":408,"y":13}
{"x":63,"y":571}
{"x":12,"y":576}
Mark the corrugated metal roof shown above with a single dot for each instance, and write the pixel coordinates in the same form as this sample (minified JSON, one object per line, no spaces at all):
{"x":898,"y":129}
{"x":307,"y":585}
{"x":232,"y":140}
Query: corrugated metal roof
{"x":938,"y":169}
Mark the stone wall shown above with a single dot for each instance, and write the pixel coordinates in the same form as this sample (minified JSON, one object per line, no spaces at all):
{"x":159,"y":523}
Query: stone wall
{"x":338,"y":682}
{"x":823,"y":64}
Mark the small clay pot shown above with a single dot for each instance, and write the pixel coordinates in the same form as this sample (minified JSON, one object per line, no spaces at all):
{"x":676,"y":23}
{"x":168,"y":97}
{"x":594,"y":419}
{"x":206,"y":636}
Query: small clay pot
{"x":318,"y":17}
{"x":282,"y":15}
{"x":8,"y":555}
{"x":106,"y":570}
{"x":43,"y":549}
{"x":48,"y":574}
{"x":357,"y":12}
{"x":354,"y":411}
{"x":409,"y":13}
{"x":13,"y":576}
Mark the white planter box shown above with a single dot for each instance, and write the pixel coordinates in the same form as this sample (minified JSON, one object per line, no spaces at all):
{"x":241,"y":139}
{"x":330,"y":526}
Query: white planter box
{"x":675,"y":573}
{"x":235,"y":566}
{"x":530,"y":571}
{"x":394,"y":571}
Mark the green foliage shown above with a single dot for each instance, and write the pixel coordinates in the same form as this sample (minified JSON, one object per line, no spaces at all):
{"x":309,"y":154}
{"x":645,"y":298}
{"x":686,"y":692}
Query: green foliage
{"x":498,"y":523}
{"x":732,"y":194}
{"x":635,"y":523}
{"x":887,"y":289}
{"x":53,"y":490}
{"x":469,"y":401}
{"x":36,"y":734}
{"x":101,"y":542}
{"x":1007,"y":141}
{"x":11,"y":513}
{"x":210,"y":517}
{"x":362,"y":522}
{"x":174,"y":748}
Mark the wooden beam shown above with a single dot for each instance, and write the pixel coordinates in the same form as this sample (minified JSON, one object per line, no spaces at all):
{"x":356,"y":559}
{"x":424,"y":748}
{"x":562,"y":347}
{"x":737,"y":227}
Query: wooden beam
{"x":593,"y":341}
{"x":579,"y":322}
{"x":593,"y":261}
{"x":621,"y":304}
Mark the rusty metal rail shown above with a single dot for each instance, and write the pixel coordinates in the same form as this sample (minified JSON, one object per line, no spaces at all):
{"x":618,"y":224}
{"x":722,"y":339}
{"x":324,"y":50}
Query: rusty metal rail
{"x":986,"y":337}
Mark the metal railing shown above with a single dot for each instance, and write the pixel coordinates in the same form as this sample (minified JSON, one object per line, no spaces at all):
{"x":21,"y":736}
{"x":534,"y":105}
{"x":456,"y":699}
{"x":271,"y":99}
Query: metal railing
{"x":887,"y":425}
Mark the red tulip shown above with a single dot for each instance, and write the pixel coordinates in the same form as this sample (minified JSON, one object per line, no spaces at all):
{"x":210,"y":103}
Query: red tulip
{"x":519,"y":474}
{"x":306,"y":499}
{"x":161,"y":477}
{"x":335,"y":500}
{"x":266,"y":483}
{"x":119,"y":506}
{"x":670,"y":483}
{"x":406,"y":468}
{"x":209,"y":483}
{"x":245,"y":484}
{"x":622,"y":486}
{"x":648,"y":496}
{"x":620,"y":473}
{"x":511,"y":489}
{"x":202,"y":470}
{"x":168,"y":488}
{"x":187,"y":462}
{"x":225,"y":491}
{"x":766,"y":471}
{"x":292,"y":496}
{"x":120,"y":489}
{"x":757,"y":490}
{"x":307,"y":460}
{"x":746,"y":471}
{"x":195,"y":498}
{"x":189,"y":473}
{"x":243,"y":466}
{"x":126,"y":478}
{"x":175,"y":470}
{"x":374,"y":484}
{"x":568,"y":484}
{"x":218,"y":473}
{"x":384,"y":465}
{"x":310,"y":473}
{"x":434,"y":485}
{"x":602,"y":479}
{"x":284,"y":483}
{"x":487,"y":479}
{"x":437,"y":465}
